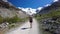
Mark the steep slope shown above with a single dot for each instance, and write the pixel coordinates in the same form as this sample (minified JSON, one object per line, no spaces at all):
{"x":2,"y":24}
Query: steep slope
{"x":54,"y":6}
{"x":8,"y":10}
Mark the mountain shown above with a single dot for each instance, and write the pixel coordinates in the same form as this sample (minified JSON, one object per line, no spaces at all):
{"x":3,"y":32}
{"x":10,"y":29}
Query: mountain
{"x":53,"y":6}
{"x":5,"y":0}
{"x":28,"y":11}
{"x":7,"y":5}
{"x":7,"y":9}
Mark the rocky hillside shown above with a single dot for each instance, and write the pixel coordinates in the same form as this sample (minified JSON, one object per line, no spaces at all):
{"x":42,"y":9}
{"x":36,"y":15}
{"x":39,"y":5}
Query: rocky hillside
{"x":10,"y":16}
{"x":53,"y":6}
{"x":9,"y":10}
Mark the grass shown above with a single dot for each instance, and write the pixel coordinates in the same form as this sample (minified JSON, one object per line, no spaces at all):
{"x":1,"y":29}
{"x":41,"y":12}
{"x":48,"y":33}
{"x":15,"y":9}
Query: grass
{"x":1,"y":19}
{"x":49,"y":15}
{"x":12,"y":21}
{"x":18,"y":23}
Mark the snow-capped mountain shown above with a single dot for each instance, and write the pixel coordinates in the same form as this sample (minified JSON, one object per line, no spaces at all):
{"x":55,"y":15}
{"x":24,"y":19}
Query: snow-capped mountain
{"x":29,"y":11}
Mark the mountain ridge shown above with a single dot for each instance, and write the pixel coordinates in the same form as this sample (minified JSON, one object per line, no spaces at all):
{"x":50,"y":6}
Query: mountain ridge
{"x":53,"y":6}
{"x":7,"y":9}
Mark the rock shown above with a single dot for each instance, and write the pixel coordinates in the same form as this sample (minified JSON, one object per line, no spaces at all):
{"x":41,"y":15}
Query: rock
{"x":3,"y":25}
{"x":51,"y":25}
{"x":57,"y":31}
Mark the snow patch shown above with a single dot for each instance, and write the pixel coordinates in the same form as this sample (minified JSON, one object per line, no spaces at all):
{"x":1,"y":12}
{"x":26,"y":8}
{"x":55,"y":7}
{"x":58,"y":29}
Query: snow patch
{"x":55,"y":0}
{"x":29,"y":11}
{"x":39,"y":8}
{"x":47,"y":5}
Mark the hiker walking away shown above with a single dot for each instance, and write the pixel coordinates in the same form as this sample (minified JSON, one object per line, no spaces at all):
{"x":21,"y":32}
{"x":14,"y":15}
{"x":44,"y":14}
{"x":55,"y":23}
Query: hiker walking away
{"x":30,"y":20}
{"x":30,"y":17}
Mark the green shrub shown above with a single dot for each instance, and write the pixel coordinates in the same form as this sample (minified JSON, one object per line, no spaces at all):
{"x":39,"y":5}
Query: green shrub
{"x":51,"y":14}
{"x":1,"y":19}
{"x":14,"y":19}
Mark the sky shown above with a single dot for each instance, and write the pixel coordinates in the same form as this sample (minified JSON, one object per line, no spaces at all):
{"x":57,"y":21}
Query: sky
{"x":30,"y":3}
{"x":33,"y":5}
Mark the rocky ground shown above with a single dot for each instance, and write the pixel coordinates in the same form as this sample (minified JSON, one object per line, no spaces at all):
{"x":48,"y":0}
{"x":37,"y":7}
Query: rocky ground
{"x":51,"y":25}
{"x":4,"y":27}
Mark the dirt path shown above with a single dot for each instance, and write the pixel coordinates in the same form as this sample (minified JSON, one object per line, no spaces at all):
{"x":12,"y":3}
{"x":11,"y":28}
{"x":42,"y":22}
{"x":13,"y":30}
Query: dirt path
{"x":19,"y":30}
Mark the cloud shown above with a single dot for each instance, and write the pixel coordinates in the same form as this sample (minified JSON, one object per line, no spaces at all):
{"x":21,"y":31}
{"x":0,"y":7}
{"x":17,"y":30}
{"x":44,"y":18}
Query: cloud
{"x":55,"y":0}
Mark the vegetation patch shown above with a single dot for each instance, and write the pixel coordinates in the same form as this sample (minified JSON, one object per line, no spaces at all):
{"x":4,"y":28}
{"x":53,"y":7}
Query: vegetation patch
{"x":13,"y":22}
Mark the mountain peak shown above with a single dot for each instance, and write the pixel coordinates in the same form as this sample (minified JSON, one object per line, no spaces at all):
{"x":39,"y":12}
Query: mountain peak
{"x":56,"y":0}
{"x":5,"y":0}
